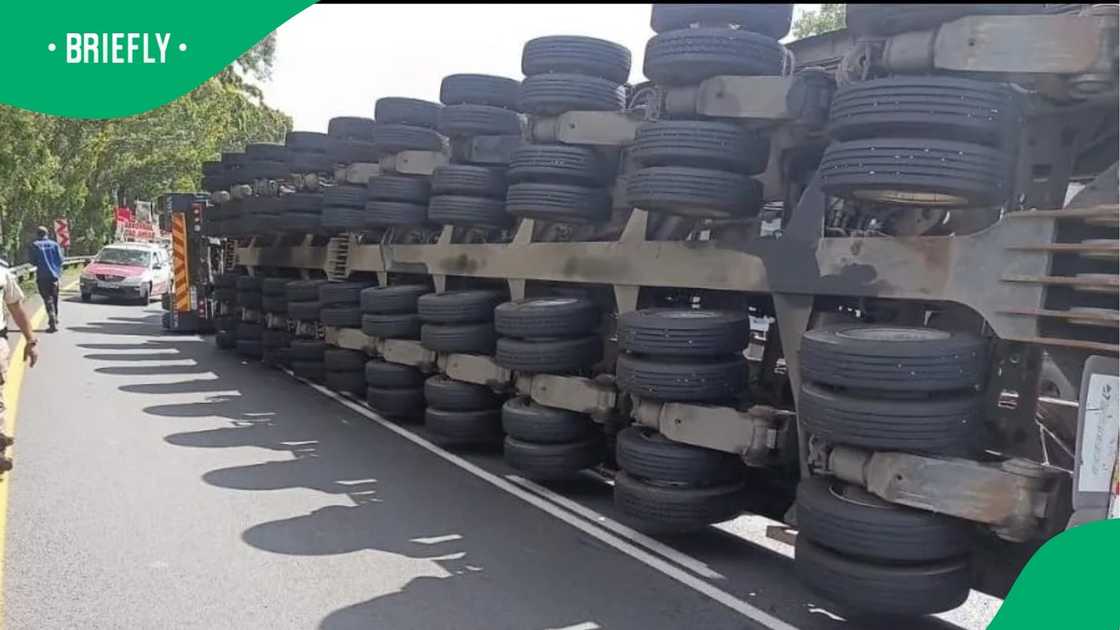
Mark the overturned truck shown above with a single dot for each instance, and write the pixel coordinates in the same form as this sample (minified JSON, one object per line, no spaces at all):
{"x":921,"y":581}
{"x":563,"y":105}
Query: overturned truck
{"x":865,"y":283}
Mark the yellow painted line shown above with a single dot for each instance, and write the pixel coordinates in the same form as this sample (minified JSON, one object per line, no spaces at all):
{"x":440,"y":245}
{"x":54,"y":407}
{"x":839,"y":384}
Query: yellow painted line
{"x":16,"y":369}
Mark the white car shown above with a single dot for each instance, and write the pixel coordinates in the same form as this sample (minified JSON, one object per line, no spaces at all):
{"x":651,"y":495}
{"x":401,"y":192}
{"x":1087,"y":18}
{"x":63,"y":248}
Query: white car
{"x":136,"y":271}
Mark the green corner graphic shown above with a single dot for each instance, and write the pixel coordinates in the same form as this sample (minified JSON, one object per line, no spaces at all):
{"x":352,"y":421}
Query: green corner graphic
{"x":1071,"y":582}
{"x":106,"y":60}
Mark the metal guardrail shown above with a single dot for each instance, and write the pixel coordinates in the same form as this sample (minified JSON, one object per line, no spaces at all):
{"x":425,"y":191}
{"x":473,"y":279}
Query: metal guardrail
{"x":26,"y":271}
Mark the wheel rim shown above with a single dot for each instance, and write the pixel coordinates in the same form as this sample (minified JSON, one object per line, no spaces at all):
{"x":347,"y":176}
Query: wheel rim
{"x":892,"y":333}
{"x":911,"y":198}
{"x":551,"y":301}
{"x":687,"y":314}
{"x":857,"y":496}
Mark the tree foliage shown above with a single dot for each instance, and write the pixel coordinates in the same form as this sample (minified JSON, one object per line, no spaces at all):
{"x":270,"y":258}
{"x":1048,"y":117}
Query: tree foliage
{"x":830,"y":17}
{"x":53,"y":167}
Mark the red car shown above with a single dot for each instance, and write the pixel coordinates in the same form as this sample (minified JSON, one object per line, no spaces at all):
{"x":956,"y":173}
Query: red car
{"x":134,"y":271}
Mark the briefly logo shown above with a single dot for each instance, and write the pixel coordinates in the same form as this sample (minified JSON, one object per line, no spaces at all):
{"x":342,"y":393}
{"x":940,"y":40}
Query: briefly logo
{"x":117,"y":48}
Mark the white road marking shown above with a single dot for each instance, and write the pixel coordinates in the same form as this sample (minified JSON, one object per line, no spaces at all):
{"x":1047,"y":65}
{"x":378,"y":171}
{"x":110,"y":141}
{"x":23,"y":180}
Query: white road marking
{"x":435,"y":540}
{"x":660,"y":548}
{"x":669,"y":570}
{"x":587,"y":625}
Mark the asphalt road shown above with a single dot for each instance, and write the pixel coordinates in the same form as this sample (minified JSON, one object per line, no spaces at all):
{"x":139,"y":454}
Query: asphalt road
{"x":161,"y":483}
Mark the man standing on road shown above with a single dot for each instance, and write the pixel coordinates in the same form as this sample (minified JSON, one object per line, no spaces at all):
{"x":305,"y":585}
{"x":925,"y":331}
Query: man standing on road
{"x":46,"y":255}
{"x":12,"y":297}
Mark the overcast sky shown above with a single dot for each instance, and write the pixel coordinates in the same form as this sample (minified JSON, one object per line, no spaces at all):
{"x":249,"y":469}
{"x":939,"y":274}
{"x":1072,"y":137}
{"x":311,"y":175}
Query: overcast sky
{"x":336,"y":60}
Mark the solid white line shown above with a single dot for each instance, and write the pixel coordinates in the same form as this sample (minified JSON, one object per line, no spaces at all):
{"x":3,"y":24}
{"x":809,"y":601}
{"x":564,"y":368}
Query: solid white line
{"x":630,"y":549}
{"x":658,"y":547}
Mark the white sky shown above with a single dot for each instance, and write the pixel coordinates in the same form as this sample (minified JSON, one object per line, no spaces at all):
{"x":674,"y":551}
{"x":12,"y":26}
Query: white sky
{"x":336,"y":60}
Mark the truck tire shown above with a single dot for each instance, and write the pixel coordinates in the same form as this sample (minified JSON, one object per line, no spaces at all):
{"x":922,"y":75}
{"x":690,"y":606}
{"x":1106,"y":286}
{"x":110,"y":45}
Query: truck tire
{"x":472,"y":181}
{"x":681,"y":379}
{"x":225,"y":295}
{"x":341,"y":293}
{"x":308,"y":350}
{"x":893,"y":358}
{"x":341,"y":316}
{"x":701,"y":144}
{"x":249,"y":284}
{"x":458,"y":121}
{"x":910,"y":171}
{"x":343,"y":360}
{"x":274,"y":287}
{"x":459,"y":338}
{"x":245,"y":330}
{"x":479,"y":89}
{"x":676,"y":508}
{"x":396,"y":326}
{"x":576,"y":55}
{"x":856,"y":523}
{"x":557,"y":164}
{"x":689,"y":56}
{"x":304,"y":311}
{"x":392,"y":300}
{"x":459,"y":307}
{"x":646,"y":454}
{"x":275,"y":305}
{"x":683,"y":332}
{"x":351,"y":127}
{"x":882,"y":589}
{"x":949,"y":108}
{"x":554,"y":94}
{"x":300,"y":222}
{"x":525,"y":420}
{"x":335,"y":220}
{"x":406,"y":111}
{"x":533,"y":318}
{"x":468,"y":211}
{"x":397,"y":138}
{"x":694,"y":192}
{"x":249,"y":348}
{"x":444,"y":393}
{"x":392,"y":375}
{"x":771,"y":20}
{"x":265,"y":152}
{"x":308,"y":162}
{"x":382,"y":213}
{"x":553,"y":462}
{"x":562,"y":203}
{"x":311,"y":141}
{"x":302,"y":202}
{"x":944,"y":425}
{"x":303,"y":290}
{"x":892,"y":19}
{"x":345,"y":196}
{"x":353,"y":382}
{"x":225,"y":339}
{"x":273,"y":339}
{"x":554,"y":356}
{"x":355,"y":151}
{"x":464,"y":428}
{"x":310,"y":370}
{"x":398,"y":188}
{"x":396,"y":403}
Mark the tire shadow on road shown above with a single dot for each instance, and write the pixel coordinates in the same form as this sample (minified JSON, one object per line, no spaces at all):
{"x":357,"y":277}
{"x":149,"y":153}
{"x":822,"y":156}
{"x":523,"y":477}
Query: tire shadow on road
{"x":436,"y":547}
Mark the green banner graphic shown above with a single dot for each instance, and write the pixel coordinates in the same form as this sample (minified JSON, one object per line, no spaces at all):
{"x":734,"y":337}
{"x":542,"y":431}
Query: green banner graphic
{"x":110,"y":59}
{"x":1071,"y":582}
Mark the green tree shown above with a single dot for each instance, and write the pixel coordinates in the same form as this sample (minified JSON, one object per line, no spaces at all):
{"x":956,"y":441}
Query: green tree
{"x":81,"y":169}
{"x":830,"y":17}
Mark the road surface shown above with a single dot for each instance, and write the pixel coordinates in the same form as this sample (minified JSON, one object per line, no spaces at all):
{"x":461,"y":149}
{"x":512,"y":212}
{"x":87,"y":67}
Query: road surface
{"x":161,"y":483}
